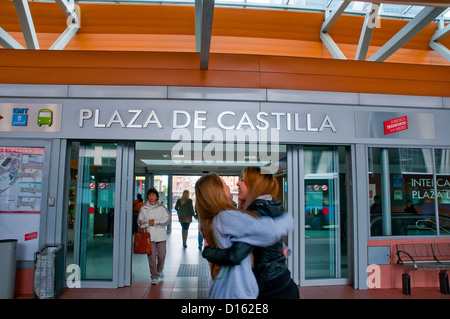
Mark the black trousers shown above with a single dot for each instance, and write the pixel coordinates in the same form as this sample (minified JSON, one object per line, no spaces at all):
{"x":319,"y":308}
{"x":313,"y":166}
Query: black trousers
{"x":282,"y":287}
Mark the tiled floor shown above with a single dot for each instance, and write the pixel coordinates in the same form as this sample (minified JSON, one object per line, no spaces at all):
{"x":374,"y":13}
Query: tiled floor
{"x":186,"y":288}
{"x":186,"y":277}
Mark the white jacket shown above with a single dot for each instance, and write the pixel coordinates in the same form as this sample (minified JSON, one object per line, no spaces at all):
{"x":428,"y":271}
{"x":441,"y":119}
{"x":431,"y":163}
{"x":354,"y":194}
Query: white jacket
{"x":160,"y":215}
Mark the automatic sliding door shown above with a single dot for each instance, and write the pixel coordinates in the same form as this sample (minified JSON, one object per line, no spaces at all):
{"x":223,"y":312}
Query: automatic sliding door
{"x":91,"y":216}
{"x":325,"y":213}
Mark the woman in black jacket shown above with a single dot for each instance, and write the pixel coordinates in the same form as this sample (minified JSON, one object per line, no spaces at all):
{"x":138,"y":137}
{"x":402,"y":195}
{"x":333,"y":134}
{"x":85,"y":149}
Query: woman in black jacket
{"x":273,"y":277}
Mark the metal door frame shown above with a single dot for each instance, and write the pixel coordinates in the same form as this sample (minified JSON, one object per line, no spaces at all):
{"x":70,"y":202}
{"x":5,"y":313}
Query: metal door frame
{"x":296,"y":206}
{"x":123,"y":214}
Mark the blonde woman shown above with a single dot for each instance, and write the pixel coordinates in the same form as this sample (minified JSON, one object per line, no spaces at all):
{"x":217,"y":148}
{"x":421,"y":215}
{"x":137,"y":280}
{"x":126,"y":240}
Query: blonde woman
{"x":185,"y":211}
{"x":155,"y":217}
{"x":221,"y":224}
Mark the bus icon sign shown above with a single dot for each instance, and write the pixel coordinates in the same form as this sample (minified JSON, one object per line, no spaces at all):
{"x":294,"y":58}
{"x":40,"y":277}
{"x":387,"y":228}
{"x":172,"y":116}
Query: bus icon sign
{"x":45,"y":116}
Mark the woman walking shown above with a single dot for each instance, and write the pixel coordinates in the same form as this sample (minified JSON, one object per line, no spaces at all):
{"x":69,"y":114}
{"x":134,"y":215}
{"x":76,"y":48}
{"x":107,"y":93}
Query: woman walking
{"x":155,"y":217}
{"x":221,"y":224}
{"x":274,"y":278}
{"x":185,"y":211}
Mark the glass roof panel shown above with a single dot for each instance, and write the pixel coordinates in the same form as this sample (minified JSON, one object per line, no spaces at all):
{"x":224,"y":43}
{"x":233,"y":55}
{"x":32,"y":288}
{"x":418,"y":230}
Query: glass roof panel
{"x":392,"y":8}
{"x":414,"y":9}
{"x":355,"y":7}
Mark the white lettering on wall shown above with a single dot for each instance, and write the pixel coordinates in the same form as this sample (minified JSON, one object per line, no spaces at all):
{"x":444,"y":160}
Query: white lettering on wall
{"x":136,"y":115}
{"x":187,"y":119}
{"x":96,"y":119}
{"x":85,"y":114}
{"x":226,"y":120}
{"x":427,"y":188}
{"x":297,"y":122}
{"x":220,"y":117}
{"x":118,"y":119}
{"x":152,"y":119}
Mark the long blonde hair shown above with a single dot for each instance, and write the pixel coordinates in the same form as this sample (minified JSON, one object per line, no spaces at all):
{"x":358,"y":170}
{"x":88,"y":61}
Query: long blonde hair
{"x":259,"y":184}
{"x":210,"y":200}
{"x":185,"y":197}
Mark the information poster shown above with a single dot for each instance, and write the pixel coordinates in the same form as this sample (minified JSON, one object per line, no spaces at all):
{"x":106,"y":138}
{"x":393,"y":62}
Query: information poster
{"x":20,"y":197}
{"x":21,"y":179}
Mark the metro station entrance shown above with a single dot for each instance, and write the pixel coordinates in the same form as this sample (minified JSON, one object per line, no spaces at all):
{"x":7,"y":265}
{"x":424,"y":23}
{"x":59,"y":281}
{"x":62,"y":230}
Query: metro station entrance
{"x":105,"y":178}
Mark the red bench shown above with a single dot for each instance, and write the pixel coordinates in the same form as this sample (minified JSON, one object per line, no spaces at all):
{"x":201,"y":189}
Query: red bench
{"x":424,"y":257}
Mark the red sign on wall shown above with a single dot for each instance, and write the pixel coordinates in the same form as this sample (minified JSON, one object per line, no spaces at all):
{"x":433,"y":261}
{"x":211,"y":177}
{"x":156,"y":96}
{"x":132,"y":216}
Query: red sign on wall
{"x":31,"y":236}
{"x":396,"y":125}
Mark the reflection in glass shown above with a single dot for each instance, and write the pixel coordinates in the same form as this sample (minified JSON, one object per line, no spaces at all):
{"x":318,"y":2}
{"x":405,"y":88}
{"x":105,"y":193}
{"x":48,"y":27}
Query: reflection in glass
{"x":401,"y":192}
{"x":91,"y":209}
{"x":325,"y":213}
{"x":442,"y":157}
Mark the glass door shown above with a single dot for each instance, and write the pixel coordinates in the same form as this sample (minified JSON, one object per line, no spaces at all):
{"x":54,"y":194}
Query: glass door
{"x":92,"y":213}
{"x":325,"y":213}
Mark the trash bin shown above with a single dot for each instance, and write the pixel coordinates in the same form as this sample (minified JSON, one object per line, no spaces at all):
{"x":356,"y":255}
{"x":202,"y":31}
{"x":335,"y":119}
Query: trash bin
{"x":8,"y":249}
{"x":49,"y":272}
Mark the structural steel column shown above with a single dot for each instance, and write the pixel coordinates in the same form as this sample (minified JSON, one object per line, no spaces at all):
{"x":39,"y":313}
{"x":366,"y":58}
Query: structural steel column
{"x":385,"y":193}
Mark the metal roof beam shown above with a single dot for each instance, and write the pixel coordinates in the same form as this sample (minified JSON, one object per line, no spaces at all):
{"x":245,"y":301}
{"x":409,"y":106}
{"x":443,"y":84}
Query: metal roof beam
{"x":205,"y":27}
{"x":73,"y":23}
{"x":331,"y":19}
{"x":438,"y":47}
{"x":67,"y":6}
{"x":8,"y":42}
{"x":64,"y":38}
{"x":198,"y":24}
{"x":441,"y":49}
{"x":366,"y":32}
{"x":441,"y":33}
{"x":326,"y":26}
{"x":26,"y":23}
{"x":423,"y":18}
{"x":332,"y":46}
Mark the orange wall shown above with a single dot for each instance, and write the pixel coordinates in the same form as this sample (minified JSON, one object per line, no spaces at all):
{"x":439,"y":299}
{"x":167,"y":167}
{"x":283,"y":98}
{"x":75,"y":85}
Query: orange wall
{"x":225,"y":70}
{"x":171,"y":28}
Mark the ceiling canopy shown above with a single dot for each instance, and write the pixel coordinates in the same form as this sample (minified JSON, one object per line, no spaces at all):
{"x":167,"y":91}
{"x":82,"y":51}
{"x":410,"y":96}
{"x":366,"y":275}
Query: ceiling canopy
{"x":191,"y":25}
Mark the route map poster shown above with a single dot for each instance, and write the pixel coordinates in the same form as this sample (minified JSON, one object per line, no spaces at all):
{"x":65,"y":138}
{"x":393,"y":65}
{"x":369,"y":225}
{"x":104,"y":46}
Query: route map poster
{"x":21,"y":179}
{"x":21,"y":173}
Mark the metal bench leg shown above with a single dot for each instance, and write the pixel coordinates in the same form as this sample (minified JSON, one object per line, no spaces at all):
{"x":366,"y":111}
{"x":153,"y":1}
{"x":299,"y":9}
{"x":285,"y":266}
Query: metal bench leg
{"x":406,"y":284}
{"x":443,"y":283}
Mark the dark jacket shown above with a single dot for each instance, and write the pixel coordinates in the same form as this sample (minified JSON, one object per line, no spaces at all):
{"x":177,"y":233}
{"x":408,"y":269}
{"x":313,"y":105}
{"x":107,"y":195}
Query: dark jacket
{"x":270,"y":268}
